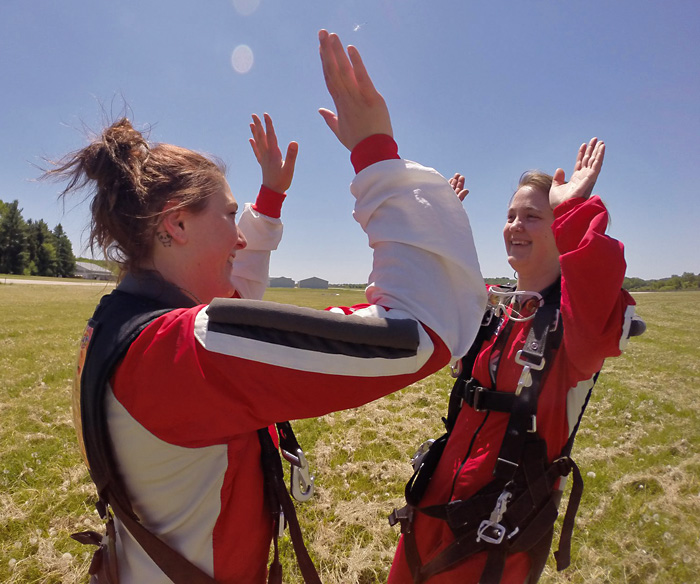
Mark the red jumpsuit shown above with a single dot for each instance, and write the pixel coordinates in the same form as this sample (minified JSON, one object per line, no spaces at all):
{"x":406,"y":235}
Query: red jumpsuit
{"x":594,"y":309}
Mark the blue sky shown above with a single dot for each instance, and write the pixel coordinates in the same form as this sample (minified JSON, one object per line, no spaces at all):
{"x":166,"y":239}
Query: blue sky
{"x":489,"y":89}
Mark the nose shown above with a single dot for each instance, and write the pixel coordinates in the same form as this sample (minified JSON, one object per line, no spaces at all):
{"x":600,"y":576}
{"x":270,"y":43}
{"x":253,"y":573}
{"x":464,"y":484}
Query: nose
{"x":516,"y":224}
{"x":242,"y":242}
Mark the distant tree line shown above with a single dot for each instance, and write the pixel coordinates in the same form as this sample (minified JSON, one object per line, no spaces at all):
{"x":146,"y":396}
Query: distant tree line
{"x":30,"y":248}
{"x":688,"y":281}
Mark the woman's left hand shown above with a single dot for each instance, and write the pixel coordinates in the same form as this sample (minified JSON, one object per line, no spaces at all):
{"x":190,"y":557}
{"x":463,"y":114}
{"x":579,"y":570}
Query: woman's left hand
{"x":277,"y":172}
{"x":589,"y":162}
{"x":457,"y":184}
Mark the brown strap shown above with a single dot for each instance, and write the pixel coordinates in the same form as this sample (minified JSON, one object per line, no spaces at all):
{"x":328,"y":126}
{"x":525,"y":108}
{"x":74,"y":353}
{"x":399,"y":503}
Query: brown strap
{"x":173,"y":564}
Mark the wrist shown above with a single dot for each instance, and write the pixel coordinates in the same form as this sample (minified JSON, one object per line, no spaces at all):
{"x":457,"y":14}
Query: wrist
{"x":373,"y":149}
{"x":269,"y":202}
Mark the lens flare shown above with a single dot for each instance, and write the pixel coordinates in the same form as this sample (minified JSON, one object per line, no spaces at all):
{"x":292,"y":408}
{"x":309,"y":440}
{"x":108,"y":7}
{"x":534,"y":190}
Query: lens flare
{"x":246,"y":7}
{"x":242,"y":59}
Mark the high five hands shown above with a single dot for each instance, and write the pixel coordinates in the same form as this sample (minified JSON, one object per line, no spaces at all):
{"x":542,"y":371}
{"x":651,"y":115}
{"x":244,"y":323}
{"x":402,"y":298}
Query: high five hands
{"x":361,"y":110}
{"x":588,"y":165}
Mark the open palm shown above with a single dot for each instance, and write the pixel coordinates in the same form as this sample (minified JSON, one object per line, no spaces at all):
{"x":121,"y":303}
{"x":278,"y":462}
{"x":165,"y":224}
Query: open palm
{"x":589,"y":162}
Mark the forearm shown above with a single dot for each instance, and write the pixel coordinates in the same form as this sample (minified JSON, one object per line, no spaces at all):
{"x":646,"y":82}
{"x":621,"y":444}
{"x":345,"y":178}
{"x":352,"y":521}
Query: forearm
{"x":593,"y":268}
{"x":262,"y":227}
{"x":425,"y":262}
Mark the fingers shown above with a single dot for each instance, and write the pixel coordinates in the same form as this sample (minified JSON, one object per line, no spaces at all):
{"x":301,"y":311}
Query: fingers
{"x":559,"y":177}
{"x":270,"y":129}
{"x":597,"y":157}
{"x":331,"y":120}
{"x":361,"y":76}
{"x":290,"y":158}
{"x":579,"y":157}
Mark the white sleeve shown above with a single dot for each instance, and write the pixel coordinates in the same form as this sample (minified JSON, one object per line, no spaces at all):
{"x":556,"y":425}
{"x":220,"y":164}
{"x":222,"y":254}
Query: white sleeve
{"x":425,"y":261}
{"x":252,"y":265}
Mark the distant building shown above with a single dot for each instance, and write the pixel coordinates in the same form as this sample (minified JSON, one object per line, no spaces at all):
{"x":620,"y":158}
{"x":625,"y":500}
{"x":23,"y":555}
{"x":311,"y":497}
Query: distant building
{"x":313,"y":283}
{"x":90,"y":271}
{"x":281,"y":283}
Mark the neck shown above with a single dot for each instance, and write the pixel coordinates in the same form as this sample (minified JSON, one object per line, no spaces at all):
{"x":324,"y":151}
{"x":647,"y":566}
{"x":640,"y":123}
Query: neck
{"x":537,"y":282}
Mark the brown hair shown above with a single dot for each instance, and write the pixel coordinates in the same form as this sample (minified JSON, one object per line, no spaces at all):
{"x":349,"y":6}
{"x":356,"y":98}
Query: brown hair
{"x":535,"y":179}
{"x":132,"y":181}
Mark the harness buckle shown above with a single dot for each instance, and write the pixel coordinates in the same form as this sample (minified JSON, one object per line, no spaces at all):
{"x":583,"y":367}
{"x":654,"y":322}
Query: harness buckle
{"x":417,"y":458}
{"x":490,"y":530}
{"x":525,"y":363}
{"x":525,"y":379}
{"x":301,"y":483}
{"x":403,"y":516}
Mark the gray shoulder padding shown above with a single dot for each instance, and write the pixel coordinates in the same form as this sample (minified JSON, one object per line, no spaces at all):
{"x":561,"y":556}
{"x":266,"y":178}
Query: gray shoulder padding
{"x":392,"y":333}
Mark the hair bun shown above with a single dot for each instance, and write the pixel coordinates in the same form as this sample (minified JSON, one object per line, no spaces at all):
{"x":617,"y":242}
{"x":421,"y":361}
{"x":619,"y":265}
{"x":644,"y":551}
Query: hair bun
{"x":117,"y":156}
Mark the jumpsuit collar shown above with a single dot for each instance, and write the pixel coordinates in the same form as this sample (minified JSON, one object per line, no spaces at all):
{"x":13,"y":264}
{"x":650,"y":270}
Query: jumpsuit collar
{"x":151,"y":284}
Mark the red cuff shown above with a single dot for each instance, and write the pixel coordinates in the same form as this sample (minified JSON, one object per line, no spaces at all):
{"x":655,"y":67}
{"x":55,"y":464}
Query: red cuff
{"x":269,"y":202}
{"x":376,"y":148}
{"x":566,"y":206}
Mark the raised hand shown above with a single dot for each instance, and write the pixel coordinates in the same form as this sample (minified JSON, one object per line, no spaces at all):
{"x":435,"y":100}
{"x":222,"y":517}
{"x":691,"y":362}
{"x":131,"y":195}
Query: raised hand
{"x":586,"y":170}
{"x":277,"y":173}
{"x":361,"y":109}
{"x":457,"y":183}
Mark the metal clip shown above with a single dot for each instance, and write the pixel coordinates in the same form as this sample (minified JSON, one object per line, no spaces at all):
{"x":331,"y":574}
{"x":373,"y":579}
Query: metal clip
{"x":491,"y":530}
{"x":525,"y":380}
{"x":301,"y":483}
{"x":281,"y":524}
{"x":417,"y":458}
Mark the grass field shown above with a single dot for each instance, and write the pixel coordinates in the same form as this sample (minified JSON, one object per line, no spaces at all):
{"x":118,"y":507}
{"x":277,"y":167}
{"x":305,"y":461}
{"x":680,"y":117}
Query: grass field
{"x":638,"y":449}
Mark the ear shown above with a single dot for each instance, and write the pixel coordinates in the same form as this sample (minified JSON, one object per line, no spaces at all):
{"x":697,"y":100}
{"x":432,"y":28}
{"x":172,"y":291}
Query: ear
{"x":173,"y":223}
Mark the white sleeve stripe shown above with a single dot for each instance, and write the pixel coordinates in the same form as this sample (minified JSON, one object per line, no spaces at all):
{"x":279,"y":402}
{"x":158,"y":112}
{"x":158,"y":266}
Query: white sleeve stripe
{"x":282,"y":355}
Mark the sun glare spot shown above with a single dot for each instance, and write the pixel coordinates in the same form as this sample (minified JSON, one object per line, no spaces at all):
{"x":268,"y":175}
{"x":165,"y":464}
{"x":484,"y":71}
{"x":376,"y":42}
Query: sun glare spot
{"x":242,"y":59}
{"x":246,"y":7}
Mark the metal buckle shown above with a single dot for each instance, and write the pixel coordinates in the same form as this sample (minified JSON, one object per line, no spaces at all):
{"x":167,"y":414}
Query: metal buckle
{"x":301,"y":483}
{"x":490,"y":530}
{"x":417,"y":458}
{"x":456,"y":369}
{"x":478,"y":391}
{"x":520,"y":361}
{"x":281,"y":524}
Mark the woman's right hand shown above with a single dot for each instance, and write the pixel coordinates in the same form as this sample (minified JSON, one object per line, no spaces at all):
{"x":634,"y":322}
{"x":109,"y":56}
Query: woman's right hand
{"x":361,"y":110}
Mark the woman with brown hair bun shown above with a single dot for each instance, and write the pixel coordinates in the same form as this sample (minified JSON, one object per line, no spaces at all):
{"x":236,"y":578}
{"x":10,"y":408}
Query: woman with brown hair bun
{"x":182,"y":382}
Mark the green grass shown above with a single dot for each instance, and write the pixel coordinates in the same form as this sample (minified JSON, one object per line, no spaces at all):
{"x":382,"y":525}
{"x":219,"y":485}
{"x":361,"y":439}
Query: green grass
{"x":640,"y":443}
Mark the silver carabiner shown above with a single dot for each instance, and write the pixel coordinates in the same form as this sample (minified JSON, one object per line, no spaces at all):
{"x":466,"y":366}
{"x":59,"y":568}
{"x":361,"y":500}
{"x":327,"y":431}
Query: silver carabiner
{"x":301,"y":483}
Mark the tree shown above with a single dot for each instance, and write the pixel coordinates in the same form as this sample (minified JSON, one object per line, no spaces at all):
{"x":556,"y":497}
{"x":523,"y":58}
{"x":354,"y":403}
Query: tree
{"x":64,"y":253}
{"x":13,"y":239}
{"x":43,"y":259}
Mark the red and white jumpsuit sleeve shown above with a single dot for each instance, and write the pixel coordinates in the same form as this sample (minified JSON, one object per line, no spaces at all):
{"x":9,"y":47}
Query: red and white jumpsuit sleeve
{"x":262,"y":227}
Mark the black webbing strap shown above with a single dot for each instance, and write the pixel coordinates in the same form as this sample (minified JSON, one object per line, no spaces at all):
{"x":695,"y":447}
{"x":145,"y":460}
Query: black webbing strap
{"x":528,"y":519}
{"x":535,"y":355}
{"x":563,"y":554}
{"x":278,"y":497}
